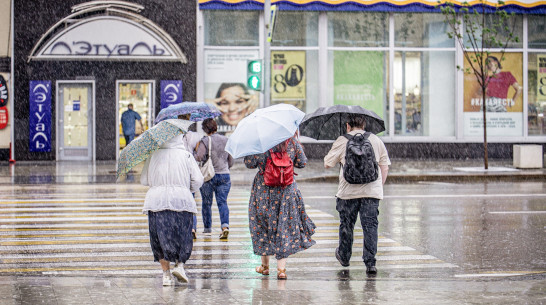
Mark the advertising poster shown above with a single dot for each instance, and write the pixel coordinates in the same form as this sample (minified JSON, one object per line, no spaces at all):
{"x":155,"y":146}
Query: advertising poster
{"x":504,"y":100}
{"x":288,"y":78}
{"x":171,"y":92}
{"x":40,"y":116}
{"x":541,"y":77}
{"x":358,"y":80}
{"x":225,"y":86}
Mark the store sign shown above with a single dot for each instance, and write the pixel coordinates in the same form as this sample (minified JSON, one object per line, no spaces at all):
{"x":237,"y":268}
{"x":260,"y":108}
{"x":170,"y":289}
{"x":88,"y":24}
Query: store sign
{"x":541,"y":77}
{"x":106,"y":37}
{"x":171,"y":92}
{"x":106,"y":30}
{"x":3,"y":92}
{"x":40,"y":116}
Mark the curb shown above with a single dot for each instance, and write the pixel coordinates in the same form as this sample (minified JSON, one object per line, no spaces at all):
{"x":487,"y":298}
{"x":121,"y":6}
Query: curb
{"x":394,"y":178}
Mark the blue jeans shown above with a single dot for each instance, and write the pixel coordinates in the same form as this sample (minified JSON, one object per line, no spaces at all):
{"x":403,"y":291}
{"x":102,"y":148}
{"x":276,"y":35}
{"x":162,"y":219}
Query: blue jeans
{"x":129,"y":138}
{"x":194,"y":217}
{"x":348,"y":211}
{"x":220,"y":185}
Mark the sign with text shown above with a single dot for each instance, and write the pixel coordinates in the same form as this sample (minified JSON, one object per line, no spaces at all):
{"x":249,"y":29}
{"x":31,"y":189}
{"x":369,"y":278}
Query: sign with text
{"x":541,"y":77}
{"x":40,"y":116}
{"x":171,"y":93}
{"x":226,"y":89}
{"x":503,"y":101}
{"x":288,"y":78}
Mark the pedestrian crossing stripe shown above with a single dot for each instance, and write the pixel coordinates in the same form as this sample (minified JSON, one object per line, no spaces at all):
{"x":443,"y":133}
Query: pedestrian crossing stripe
{"x":98,"y":236}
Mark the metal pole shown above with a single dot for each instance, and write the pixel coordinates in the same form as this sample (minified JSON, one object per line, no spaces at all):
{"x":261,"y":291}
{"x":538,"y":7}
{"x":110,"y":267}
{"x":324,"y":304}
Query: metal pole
{"x":267,"y":55}
{"x":11,"y":83}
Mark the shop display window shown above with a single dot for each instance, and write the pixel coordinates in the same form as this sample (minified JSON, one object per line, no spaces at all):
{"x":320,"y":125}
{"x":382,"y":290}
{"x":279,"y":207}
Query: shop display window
{"x":424,"y":93}
{"x":358,"y":29}
{"x":536,"y":109}
{"x":537,"y":31}
{"x":231,"y":28}
{"x":513,"y":24}
{"x":295,"y":29}
{"x":415,"y":30}
{"x":360,"y":78}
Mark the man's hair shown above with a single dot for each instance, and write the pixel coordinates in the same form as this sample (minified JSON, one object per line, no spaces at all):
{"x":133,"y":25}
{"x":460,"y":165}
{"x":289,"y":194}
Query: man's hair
{"x":356,"y":121}
{"x":210,"y":126}
{"x":130,"y":106}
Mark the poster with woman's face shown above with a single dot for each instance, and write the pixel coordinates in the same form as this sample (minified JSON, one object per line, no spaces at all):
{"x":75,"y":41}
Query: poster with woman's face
{"x":225,"y":87}
{"x":503,"y":98}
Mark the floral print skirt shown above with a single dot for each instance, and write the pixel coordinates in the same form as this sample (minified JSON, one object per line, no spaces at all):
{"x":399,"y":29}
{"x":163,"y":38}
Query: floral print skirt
{"x":278,"y":222}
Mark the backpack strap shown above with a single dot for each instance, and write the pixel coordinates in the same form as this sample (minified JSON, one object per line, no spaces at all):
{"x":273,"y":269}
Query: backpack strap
{"x":348,"y":136}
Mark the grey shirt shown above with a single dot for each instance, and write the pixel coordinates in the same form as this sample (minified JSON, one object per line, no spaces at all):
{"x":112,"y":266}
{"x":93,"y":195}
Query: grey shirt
{"x":221,"y":160}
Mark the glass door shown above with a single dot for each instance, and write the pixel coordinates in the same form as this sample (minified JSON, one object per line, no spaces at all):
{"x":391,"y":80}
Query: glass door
{"x":137,"y":98}
{"x":75,"y":132}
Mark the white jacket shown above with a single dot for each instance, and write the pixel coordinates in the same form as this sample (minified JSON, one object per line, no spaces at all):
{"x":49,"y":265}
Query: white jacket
{"x":173,"y":175}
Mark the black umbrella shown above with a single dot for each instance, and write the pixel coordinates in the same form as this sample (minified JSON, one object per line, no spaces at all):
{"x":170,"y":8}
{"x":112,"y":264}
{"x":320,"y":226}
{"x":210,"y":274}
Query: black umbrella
{"x":328,"y":123}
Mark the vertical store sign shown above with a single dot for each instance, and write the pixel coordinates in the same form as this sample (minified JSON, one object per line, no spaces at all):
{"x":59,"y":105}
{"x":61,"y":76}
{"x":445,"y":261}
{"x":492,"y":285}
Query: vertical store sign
{"x":541,"y":77}
{"x":171,"y":92}
{"x":40,"y":116}
{"x":288,"y":78}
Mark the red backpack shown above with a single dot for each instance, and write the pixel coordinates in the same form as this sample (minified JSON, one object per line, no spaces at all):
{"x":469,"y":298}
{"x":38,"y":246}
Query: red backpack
{"x":279,"y":169}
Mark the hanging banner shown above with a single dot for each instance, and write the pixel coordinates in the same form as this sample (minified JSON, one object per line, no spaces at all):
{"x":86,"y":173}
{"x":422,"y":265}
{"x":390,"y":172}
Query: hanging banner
{"x":288,"y":78}
{"x":504,"y":98}
{"x":358,"y":80}
{"x":541,"y":77}
{"x":225,"y":86}
{"x":3,"y":92}
{"x":171,"y":93}
{"x":40,"y":116}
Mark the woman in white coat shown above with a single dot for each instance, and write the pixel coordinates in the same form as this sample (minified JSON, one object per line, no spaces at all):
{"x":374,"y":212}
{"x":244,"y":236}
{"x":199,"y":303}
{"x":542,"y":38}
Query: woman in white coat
{"x":173,"y":175}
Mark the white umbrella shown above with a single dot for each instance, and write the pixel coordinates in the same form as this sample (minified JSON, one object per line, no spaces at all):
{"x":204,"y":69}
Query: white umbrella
{"x":263,"y":129}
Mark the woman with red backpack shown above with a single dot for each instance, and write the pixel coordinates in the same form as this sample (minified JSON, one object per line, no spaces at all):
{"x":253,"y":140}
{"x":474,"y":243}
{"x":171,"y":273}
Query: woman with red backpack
{"x":278,"y":222}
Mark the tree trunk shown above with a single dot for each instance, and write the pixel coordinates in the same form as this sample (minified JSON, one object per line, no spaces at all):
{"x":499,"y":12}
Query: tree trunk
{"x":485,"y":160}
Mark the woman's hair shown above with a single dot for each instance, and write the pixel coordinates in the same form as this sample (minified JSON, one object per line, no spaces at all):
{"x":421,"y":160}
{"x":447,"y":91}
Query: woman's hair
{"x":224,"y":86}
{"x":184,"y":116}
{"x":356,"y":121}
{"x":193,"y":127}
{"x":210,"y":126}
{"x":494,"y":59}
{"x":283,"y":146}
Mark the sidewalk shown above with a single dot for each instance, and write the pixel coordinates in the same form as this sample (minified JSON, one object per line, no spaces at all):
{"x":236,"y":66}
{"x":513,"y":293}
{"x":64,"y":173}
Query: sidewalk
{"x":401,"y":170}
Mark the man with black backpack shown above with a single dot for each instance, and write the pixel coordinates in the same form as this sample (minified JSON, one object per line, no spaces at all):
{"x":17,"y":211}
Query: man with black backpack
{"x":364,"y":168}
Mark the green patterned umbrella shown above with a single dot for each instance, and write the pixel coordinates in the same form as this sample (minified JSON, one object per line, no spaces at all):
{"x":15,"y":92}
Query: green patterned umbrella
{"x":151,"y":140}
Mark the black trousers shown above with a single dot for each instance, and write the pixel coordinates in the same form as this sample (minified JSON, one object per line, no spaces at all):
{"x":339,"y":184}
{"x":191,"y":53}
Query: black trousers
{"x":368,"y":208}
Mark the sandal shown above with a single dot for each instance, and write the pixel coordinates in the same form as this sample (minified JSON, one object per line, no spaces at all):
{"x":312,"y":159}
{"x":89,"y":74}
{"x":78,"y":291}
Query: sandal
{"x":263,"y":269}
{"x":281,"y":274}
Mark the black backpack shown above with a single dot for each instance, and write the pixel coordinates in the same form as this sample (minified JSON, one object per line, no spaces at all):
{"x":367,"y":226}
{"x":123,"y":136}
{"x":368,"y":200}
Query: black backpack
{"x":360,"y":164}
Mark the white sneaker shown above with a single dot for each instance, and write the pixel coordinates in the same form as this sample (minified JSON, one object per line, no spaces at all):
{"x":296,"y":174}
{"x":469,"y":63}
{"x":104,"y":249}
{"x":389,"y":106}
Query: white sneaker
{"x":180,"y":273}
{"x":168,"y":280}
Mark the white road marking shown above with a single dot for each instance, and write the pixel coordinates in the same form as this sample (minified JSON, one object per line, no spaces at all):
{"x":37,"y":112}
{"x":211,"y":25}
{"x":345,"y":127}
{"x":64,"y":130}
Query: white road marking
{"x":518,"y":212}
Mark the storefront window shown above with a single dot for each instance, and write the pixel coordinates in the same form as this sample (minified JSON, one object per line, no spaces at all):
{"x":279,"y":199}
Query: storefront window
{"x":513,"y":25}
{"x":537,"y":94}
{"x":296,"y":29}
{"x":421,"y":30}
{"x":359,"y":78}
{"x":504,"y":98}
{"x":362,"y":29}
{"x":139,"y":95}
{"x":231,"y":28}
{"x":536,"y":30}
{"x":424,"y":89}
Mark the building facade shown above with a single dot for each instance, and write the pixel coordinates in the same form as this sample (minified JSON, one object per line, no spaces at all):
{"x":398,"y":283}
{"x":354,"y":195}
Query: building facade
{"x":390,"y":57}
{"x":81,"y":63}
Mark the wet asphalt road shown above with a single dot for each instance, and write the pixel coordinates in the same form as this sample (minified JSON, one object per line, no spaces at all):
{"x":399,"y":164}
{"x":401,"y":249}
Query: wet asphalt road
{"x":440,"y":243}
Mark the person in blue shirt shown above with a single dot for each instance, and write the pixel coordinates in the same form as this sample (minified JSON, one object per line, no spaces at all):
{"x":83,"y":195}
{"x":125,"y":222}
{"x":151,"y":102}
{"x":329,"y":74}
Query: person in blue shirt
{"x":128,"y":119}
